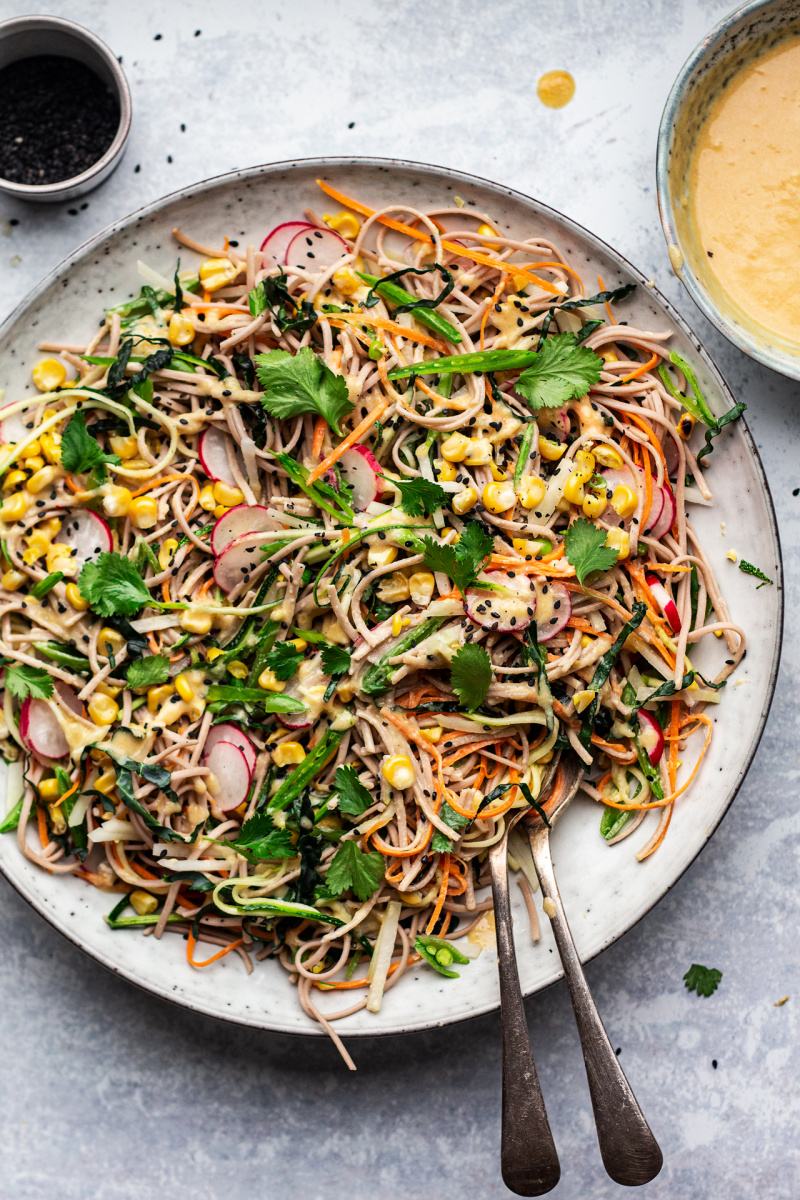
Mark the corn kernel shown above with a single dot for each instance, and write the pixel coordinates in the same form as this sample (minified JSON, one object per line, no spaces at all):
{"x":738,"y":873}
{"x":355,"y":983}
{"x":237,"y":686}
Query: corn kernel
{"x":43,"y":478}
{"x":75,"y":599}
{"x":109,"y":642}
{"x":685,"y":426}
{"x":288,"y":754}
{"x":116,"y":501}
{"x":167,"y":553}
{"x":184,"y":688}
{"x":34,"y":464}
{"x":456,"y":448}
{"x":551,"y":450}
{"x":377,"y":556}
{"x":445,"y":471}
{"x":143,"y":512}
{"x":398,"y":770}
{"x":486,"y":230}
{"x":51,"y":448}
{"x":270,"y":682}
{"x":479,"y":452}
{"x":56,"y":551}
{"x":420,"y":586}
{"x":346,"y":280}
{"x":108,"y":689}
{"x":618,"y":540}
{"x":300,"y":644}
{"x":225,"y":494}
{"x":583,"y":699}
{"x":586,"y":640}
{"x":433,"y":733}
{"x":38,"y":545}
{"x":464,"y":500}
{"x":48,"y":374}
{"x":398,"y":623}
{"x":13,"y":580}
{"x":731,"y":556}
{"x":497,"y":475}
{"x":531,"y":491}
{"x":608,"y":356}
{"x":102,"y":710}
{"x":31,"y":450}
{"x":607,"y":456}
{"x":344,"y":223}
{"x":142,"y":902}
{"x":593,"y":506}
{"x":156,"y":696}
{"x":57,"y":819}
{"x":107,"y":781}
{"x":345,"y":690}
{"x":50,"y":527}
{"x":216,"y":273}
{"x":180,"y":331}
{"x":237,"y":669}
{"x":393,"y":588}
{"x":195,"y":622}
{"x":206,"y":499}
{"x":14,"y":508}
{"x":624,"y":500}
{"x":213,"y":654}
{"x":13,"y":479}
{"x":48,"y":789}
{"x":125,"y":447}
{"x":498,"y":497}
{"x":220,"y":510}
{"x":532,"y":546}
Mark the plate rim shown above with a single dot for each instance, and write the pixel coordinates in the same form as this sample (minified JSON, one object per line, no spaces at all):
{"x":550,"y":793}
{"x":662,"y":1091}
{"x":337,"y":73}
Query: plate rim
{"x":343,"y":161}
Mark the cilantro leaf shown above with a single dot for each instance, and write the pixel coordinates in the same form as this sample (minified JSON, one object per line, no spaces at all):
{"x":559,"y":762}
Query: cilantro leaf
{"x":441,"y":844}
{"x":470,"y":675}
{"x":749,"y":569}
{"x":462,"y":561}
{"x":80,"y":452}
{"x":149,"y":671}
{"x":283,"y":660}
{"x":703,"y":980}
{"x":335,"y":660}
{"x":586,"y":549}
{"x":257,"y":299}
{"x":354,"y":799}
{"x":302,"y":383}
{"x":23,"y":681}
{"x":563,"y":371}
{"x":259,"y":838}
{"x":112,"y":585}
{"x":420,"y":497}
{"x":354,"y":868}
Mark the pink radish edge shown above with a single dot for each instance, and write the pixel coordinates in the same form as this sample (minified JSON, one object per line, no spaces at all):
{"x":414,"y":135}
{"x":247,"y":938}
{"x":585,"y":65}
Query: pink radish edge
{"x":667,"y":515}
{"x":238,"y":560}
{"x":499,"y":611}
{"x":87,"y":533}
{"x":233,"y":734}
{"x":361,"y":470}
{"x":276,"y":243}
{"x":315,"y":250}
{"x":212,"y":449}
{"x":39,"y":727}
{"x":244,"y":518}
{"x":651,"y":736}
{"x":665,"y":602}
{"x":228,"y":764}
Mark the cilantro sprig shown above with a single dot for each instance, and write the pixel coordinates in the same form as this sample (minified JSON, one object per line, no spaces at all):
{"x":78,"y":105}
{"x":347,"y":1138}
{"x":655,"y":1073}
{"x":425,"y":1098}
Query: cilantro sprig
{"x":462,"y":561}
{"x":470,"y":675}
{"x":703,"y":980}
{"x":563,"y":371}
{"x":80,"y":452}
{"x":586,"y":549}
{"x":302,"y":383}
{"x":23,"y":681}
{"x":283,"y":660}
{"x":148,"y":672}
{"x":353,"y":797}
{"x":420,"y":497}
{"x":259,"y":838}
{"x":112,"y":585}
{"x":352,"y":868}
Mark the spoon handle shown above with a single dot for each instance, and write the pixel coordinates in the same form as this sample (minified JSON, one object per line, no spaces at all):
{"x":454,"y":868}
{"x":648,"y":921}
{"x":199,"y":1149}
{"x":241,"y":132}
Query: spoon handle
{"x":631,"y":1155}
{"x":528,"y":1157}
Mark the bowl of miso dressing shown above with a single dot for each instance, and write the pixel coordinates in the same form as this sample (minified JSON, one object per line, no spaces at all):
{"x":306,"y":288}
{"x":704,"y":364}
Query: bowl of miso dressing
{"x":728,"y":172}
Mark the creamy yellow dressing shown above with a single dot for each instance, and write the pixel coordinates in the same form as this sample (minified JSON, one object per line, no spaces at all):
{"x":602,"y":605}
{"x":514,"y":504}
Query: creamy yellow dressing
{"x":744,"y":191}
{"x":483,"y":935}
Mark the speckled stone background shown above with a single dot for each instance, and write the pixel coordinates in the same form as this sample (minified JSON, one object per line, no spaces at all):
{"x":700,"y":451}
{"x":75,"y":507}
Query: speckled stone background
{"x":108,"y":1093}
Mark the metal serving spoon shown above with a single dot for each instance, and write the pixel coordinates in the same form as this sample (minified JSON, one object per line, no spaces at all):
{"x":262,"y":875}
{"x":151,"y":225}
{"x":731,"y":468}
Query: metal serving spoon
{"x":528,"y":1158}
{"x":631,"y":1155}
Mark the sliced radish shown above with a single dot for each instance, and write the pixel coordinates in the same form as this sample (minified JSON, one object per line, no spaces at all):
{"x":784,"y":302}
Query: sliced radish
{"x":228,"y":765}
{"x":244,"y":518}
{"x":315,"y":250}
{"x":239,"y":560}
{"x":656,"y":508}
{"x":308,"y":686}
{"x":651,"y":737}
{"x":671,"y":457}
{"x":276,"y":243}
{"x":664,"y":602}
{"x":39,"y":728}
{"x":233,"y":734}
{"x":667,"y":516}
{"x":213,"y":450}
{"x":15,"y":427}
{"x":553,"y":609}
{"x":361,"y":470}
{"x":500,"y":612}
{"x":87,"y":534}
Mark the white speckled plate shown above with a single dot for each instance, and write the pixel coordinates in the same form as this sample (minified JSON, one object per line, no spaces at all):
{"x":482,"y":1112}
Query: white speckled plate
{"x":605,"y":889}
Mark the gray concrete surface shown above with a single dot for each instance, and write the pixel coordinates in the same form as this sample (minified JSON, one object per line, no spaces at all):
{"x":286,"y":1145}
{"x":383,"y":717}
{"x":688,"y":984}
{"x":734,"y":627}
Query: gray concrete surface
{"x":108,"y":1093}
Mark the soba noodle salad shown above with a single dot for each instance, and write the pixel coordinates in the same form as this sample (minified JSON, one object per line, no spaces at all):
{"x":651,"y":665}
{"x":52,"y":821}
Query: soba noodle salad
{"x":316,"y":554}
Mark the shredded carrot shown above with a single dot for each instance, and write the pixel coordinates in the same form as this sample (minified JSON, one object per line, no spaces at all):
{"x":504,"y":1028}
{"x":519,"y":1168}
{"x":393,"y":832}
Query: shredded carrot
{"x":648,"y":489}
{"x":157,"y":483}
{"x":222,"y":310}
{"x":165,"y":596}
{"x":440,"y":899}
{"x":582,"y":624}
{"x":319,"y":433}
{"x":191,"y":943}
{"x":73,"y":484}
{"x":350,"y":984}
{"x":485,"y":260}
{"x":41,"y":821}
{"x":490,"y":306}
{"x":142,"y":871}
{"x":637,"y":420}
{"x":359,"y":431}
{"x":429,"y":392}
{"x":659,"y":566}
{"x":640,"y":370}
{"x":209,"y":583}
{"x":153,"y":644}
{"x":703,"y":719}
{"x":411,"y":335}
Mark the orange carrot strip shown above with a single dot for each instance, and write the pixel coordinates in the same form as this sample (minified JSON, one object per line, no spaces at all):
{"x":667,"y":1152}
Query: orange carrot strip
{"x":610,"y":314}
{"x":191,"y":943}
{"x":359,"y":431}
{"x":490,"y":306}
{"x":349,"y":984}
{"x":157,"y":483}
{"x":209,"y":583}
{"x":44,"y":837}
{"x":73,"y":484}
{"x":142,"y":871}
{"x":640,"y":370}
{"x":484,"y":259}
{"x":319,"y":433}
{"x":411,"y":335}
{"x":440,"y":899}
{"x":637,"y":420}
